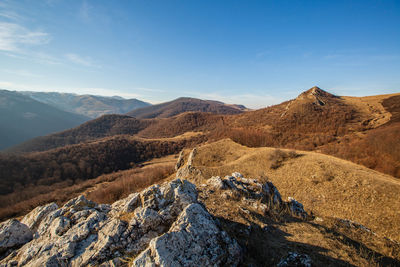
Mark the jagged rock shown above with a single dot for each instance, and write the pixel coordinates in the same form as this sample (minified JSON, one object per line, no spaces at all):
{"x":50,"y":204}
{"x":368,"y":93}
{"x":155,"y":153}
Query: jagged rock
{"x":189,"y":170}
{"x":249,"y":188}
{"x":127,"y":204}
{"x":33,"y":218}
{"x":82,"y":233}
{"x":252,"y":191}
{"x":296,"y":208}
{"x":180,"y":161}
{"x":193,"y":240}
{"x":295,"y":259}
{"x":13,"y":234}
{"x":216,"y":182}
{"x":191,"y":156}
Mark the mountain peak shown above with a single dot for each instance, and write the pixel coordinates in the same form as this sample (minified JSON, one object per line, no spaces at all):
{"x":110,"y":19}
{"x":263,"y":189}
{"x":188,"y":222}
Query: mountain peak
{"x":317,"y":95}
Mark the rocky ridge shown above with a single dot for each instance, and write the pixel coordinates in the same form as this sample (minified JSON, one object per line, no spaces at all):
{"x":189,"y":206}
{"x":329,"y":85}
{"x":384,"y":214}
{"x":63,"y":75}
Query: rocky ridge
{"x":164,"y":225}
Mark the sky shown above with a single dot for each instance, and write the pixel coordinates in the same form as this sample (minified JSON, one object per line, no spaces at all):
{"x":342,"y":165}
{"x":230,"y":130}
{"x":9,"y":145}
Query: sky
{"x":255,"y":53}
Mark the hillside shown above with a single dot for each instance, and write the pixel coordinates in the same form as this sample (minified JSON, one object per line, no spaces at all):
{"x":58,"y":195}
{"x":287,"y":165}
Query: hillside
{"x":184,"y":104}
{"x":326,"y":185}
{"x":243,"y":219}
{"x":87,"y":105}
{"x":23,"y":118}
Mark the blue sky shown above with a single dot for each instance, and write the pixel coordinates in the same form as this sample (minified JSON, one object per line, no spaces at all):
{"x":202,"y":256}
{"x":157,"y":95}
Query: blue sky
{"x":255,"y":53}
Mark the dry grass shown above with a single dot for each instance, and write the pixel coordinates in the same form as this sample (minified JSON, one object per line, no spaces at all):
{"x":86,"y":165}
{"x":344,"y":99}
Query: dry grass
{"x":370,"y":107}
{"x":129,"y":182}
{"x":103,"y":189}
{"x":266,"y":238}
{"x":325,"y":185}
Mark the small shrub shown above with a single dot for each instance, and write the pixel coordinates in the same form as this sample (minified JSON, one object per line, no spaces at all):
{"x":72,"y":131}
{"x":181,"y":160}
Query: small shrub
{"x":278,"y":156}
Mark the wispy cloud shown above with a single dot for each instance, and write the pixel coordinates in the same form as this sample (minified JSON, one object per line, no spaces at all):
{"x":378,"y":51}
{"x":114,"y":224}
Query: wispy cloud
{"x":10,"y":15}
{"x":14,"y":37}
{"x":23,"y":73}
{"x":80,"y":60}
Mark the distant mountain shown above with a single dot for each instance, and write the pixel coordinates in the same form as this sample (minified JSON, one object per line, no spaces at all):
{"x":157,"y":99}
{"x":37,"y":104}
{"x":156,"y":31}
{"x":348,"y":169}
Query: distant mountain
{"x":184,"y":104}
{"x":106,"y":125}
{"x":88,"y":105}
{"x":23,"y":118}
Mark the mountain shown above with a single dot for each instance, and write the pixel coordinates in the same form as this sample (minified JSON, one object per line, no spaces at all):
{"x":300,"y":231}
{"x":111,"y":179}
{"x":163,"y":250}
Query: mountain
{"x":184,"y":104}
{"x":360,"y":129}
{"x":88,"y":105}
{"x":23,"y":118}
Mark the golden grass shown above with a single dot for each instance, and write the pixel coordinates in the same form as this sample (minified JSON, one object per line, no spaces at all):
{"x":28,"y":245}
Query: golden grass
{"x":326,"y":185}
{"x":370,"y":107}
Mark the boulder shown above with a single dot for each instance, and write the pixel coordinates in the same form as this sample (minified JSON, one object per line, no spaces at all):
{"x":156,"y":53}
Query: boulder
{"x":13,"y":234}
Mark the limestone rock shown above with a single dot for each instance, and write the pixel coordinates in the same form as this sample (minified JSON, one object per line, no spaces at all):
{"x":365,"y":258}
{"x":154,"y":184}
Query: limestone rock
{"x":33,"y":218}
{"x":180,"y":161}
{"x":13,"y":234}
{"x":193,"y":240}
{"x":189,"y":170}
{"x":264,"y":196}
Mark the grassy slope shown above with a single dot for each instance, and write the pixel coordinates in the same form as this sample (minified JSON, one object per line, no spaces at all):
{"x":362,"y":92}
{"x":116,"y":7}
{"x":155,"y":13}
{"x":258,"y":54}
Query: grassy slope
{"x":324,"y":184}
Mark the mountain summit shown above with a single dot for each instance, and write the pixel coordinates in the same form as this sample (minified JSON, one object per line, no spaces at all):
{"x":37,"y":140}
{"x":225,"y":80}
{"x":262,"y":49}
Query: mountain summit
{"x":316,"y":95}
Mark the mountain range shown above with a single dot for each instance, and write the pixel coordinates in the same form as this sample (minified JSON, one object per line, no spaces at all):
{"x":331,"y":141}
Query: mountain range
{"x":308,"y":147}
{"x":22,"y":118}
{"x":91,"y":106}
{"x":65,"y":111}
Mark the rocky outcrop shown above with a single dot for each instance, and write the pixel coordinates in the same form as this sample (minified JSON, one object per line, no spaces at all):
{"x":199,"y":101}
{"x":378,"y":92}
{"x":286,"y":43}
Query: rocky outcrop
{"x":180,"y":161}
{"x":163,"y":225}
{"x":263,"y":196}
{"x":188,"y":170}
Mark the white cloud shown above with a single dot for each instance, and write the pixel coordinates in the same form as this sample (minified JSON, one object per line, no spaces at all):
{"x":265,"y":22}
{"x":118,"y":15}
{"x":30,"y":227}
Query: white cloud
{"x":14,"y":37}
{"x":84,"y":61}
